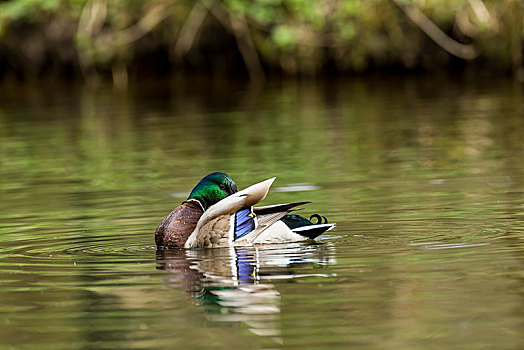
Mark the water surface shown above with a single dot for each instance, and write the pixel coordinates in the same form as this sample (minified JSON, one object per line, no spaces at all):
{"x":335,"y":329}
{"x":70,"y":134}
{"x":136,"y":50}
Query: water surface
{"x":424,"y":177}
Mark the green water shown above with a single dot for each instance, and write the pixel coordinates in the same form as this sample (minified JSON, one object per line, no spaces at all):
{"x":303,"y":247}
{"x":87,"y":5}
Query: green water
{"x":424,"y":178}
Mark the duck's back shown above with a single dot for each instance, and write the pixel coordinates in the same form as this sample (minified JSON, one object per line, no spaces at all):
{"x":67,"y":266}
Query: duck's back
{"x":174,"y":230}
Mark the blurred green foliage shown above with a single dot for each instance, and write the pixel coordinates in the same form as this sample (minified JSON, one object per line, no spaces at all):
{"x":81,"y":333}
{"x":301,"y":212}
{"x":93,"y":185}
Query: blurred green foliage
{"x":94,"y":37}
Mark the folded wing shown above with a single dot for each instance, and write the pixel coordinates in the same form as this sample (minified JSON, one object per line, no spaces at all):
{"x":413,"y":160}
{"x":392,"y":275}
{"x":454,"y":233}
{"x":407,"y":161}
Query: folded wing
{"x":207,"y":228}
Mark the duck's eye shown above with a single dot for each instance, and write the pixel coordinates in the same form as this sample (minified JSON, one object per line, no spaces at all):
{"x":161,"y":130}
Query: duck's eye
{"x":222,"y":186}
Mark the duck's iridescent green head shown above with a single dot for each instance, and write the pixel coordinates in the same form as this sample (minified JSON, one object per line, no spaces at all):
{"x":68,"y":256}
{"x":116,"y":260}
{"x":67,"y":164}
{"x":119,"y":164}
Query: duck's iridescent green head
{"x":213,"y":188}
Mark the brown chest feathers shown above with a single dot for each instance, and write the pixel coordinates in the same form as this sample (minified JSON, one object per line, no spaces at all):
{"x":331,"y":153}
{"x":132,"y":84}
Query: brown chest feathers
{"x":174,"y":230}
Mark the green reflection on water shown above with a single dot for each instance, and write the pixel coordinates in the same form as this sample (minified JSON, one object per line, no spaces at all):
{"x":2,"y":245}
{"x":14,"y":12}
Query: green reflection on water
{"x":423,"y":177}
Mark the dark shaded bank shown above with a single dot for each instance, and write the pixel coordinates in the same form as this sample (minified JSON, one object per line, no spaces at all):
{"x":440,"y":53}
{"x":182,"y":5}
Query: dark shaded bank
{"x":118,"y":40}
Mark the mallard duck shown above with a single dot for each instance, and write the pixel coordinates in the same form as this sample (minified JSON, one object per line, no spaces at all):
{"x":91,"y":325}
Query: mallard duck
{"x":216,"y":215}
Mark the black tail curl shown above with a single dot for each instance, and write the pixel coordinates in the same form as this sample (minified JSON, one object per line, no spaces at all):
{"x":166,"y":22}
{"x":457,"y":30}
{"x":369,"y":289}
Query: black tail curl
{"x":320,"y":219}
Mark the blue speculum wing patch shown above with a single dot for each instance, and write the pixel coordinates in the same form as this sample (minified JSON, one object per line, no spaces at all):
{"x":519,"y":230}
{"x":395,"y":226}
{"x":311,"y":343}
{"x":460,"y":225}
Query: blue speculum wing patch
{"x":244,"y":222}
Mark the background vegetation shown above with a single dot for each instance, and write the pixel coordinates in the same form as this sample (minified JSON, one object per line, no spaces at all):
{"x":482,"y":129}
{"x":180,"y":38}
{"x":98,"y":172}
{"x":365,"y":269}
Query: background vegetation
{"x":124,"y":39}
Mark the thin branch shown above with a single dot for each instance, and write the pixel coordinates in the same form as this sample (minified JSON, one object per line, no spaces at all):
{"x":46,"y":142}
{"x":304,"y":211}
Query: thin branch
{"x":146,"y":24}
{"x":92,"y":17}
{"x":481,"y":12}
{"x":90,"y":23}
{"x":455,"y":48}
{"x":190,"y":30}
{"x":247,"y":48}
{"x":238,"y":26}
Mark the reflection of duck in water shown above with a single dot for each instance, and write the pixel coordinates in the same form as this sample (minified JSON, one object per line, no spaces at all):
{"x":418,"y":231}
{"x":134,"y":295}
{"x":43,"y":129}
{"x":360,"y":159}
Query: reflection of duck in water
{"x":216,"y":215}
{"x":234,"y":284}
